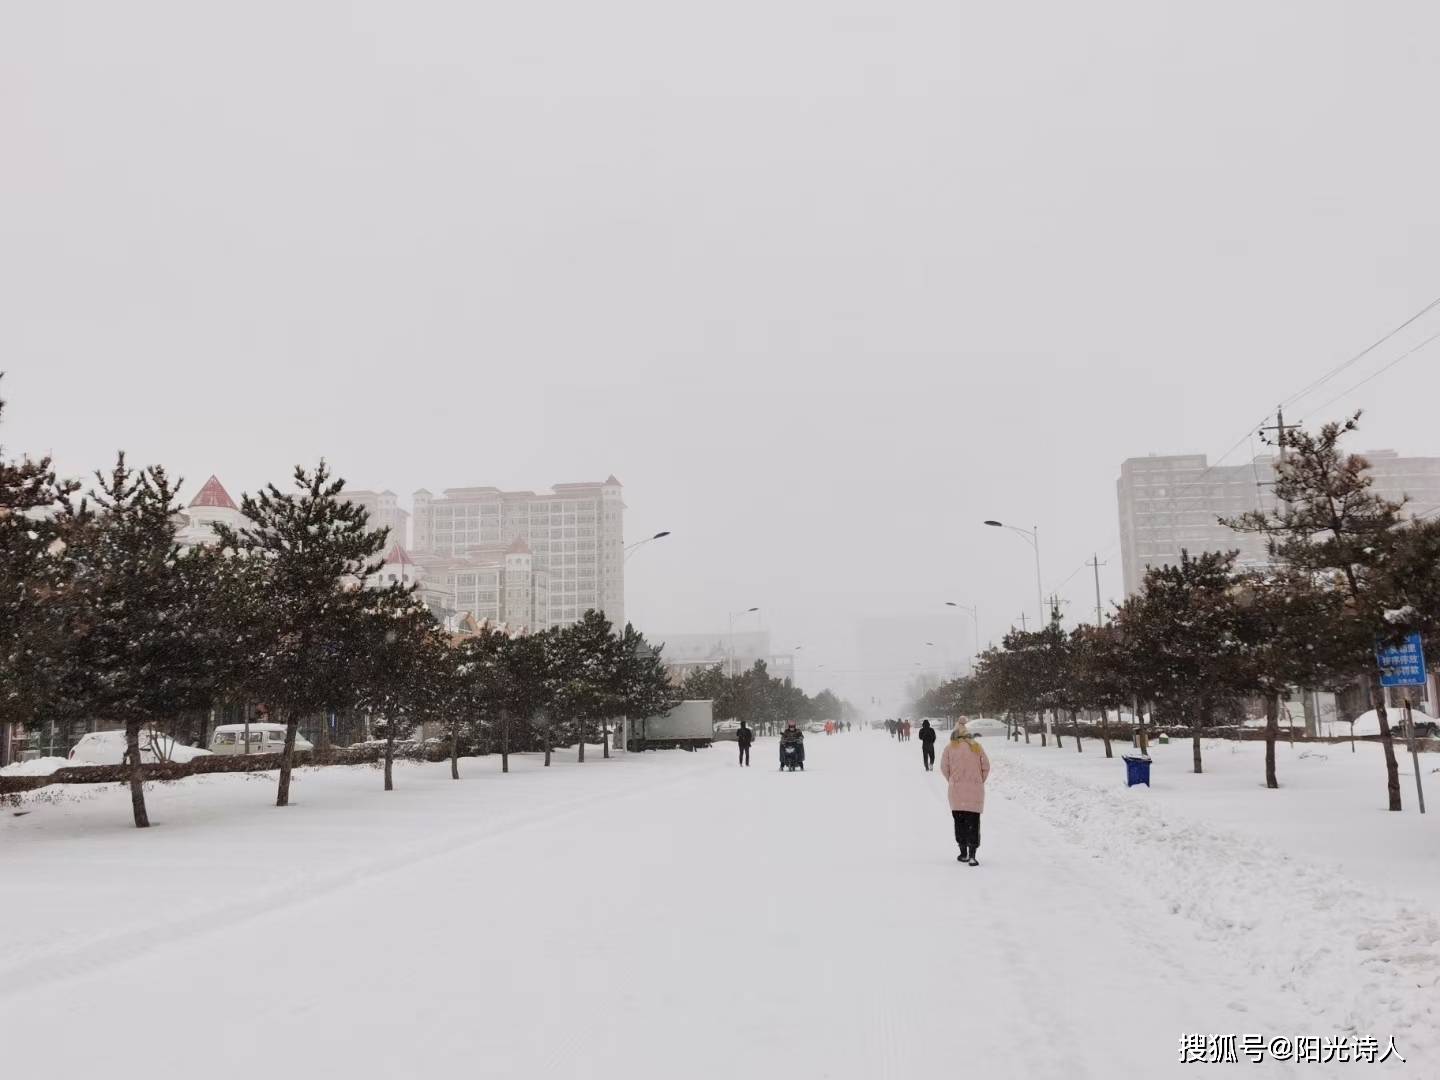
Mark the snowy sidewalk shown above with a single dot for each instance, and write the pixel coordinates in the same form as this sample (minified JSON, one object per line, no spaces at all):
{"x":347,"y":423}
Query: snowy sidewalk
{"x":657,"y":917}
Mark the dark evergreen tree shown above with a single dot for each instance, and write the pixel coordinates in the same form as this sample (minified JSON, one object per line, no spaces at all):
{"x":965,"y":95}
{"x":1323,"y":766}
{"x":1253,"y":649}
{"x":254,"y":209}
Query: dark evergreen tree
{"x":585,"y":663}
{"x":1295,"y":633}
{"x":403,"y":668}
{"x":314,"y":551}
{"x":642,"y":685}
{"x":1329,"y":525}
{"x":1185,"y":639}
{"x":1097,"y":673}
{"x":32,"y":570}
{"x":142,"y":642}
{"x":505,"y":690}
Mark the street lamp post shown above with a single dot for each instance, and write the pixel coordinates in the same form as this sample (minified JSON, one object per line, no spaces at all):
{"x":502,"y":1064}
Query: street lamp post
{"x":630,"y":550}
{"x":975,"y":622}
{"x":730,"y":641}
{"x":1033,"y":536}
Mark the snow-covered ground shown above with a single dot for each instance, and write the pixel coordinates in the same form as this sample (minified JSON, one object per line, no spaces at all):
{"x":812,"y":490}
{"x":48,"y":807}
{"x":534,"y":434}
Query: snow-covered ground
{"x":672,"y":915}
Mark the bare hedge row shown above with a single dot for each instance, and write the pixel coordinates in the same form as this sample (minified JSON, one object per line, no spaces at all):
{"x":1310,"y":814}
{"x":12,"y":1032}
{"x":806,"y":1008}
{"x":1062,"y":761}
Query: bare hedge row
{"x":216,"y":763}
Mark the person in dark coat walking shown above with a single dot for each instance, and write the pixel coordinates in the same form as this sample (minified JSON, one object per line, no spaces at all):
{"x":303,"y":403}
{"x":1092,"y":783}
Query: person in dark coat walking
{"x":927,"y":745}
{"x":744,"y":737}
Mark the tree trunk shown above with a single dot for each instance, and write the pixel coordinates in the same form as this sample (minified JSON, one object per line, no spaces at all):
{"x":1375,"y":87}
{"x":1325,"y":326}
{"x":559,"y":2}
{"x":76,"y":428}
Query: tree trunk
{"x":1055,"y":729}
{"x":322,"y":747}
{"x":137,"y":775}
{"x":287,"y":759}
{"x":545,"y":738}
{"x":390,"y":756}
{"x":1272,"y":732}
{"x":1075,"y":730}
{"x":1025,"y":725}
{"x":455,"y":750}
{"x":605,"y":737}
{"x":1140,"y":728}
{"x":1105,"y":732}
{"x":581,"y":758}
{"x":1044,"y":735}
{"x":1195,"y":733}
{"x":505,"y":742}
{"x":1392,"y":767}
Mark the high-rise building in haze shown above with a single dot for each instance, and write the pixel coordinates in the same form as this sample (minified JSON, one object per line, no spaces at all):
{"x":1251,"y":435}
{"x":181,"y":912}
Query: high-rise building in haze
{"x":385,"y":513}
{"x":1175,"y":501}
{"x":561,"y":551}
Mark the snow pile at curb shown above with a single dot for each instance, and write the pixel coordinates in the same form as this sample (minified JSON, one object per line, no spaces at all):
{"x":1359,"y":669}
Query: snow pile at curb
{"x":1362,"y":961}
{"x":42,"y":766}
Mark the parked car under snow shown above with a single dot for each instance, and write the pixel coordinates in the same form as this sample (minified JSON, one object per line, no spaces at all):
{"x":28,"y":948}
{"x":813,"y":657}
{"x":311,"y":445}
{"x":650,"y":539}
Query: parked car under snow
{"x":108,"y":748}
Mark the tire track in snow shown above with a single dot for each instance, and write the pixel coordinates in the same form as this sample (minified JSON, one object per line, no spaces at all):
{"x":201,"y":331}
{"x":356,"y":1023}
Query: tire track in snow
{"x":42,"y":969}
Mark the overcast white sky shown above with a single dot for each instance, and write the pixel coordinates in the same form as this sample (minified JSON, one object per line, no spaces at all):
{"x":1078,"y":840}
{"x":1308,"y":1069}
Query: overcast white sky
{"x":824,"y":283}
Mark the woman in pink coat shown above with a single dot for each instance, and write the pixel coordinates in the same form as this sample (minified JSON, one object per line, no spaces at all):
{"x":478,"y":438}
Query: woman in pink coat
{"x":965,"y":768}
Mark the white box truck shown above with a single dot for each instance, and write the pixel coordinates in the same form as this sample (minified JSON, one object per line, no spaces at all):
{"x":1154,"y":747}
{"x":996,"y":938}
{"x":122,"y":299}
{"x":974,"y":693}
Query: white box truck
{"x":689,"y":725}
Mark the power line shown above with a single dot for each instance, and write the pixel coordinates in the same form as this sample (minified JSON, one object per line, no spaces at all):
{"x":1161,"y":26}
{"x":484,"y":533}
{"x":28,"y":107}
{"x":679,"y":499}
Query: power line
{"x":1360,"y":355}
{"x":1374,"y":375}
{"x":1258,"y":426}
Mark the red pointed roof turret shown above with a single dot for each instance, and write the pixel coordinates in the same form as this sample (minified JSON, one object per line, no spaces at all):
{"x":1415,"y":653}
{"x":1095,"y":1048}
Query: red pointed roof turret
{"x":399,"y":555}
{"x":518,"y":547}
{"x":612,"y":482}
{"x":214,"y":494}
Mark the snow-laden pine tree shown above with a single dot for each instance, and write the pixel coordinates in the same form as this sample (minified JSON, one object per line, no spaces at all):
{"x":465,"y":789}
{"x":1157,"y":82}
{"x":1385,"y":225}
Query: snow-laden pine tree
{"x":403,"y":668}
{"x":1097,"y":671}
{"x":32,"y":569}
{"x":642,"y":685}
{"x":1295,"y":633}
{"x":584,"y":661}
{"x":144,"y":642}
{"x":1330,"y":527}
{"x":505,"y":690}
{"x":312,"y":553}
{"x":1185,"y":638}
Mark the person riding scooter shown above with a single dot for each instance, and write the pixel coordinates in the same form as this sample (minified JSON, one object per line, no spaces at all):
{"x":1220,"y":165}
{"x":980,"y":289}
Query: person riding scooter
{"x":792,"y":747}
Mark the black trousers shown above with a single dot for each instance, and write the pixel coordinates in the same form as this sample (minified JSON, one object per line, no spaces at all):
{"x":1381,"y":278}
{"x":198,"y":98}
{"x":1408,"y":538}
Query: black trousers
{"x":744,"y":755}
{"x":927,"y":754}
{"x":967,"y":829}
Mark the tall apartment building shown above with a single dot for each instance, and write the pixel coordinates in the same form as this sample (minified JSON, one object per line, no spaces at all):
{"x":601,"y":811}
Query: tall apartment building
{"x":1174,"y":502}
{"x":385,"y":513}
{"x":560,"y":552}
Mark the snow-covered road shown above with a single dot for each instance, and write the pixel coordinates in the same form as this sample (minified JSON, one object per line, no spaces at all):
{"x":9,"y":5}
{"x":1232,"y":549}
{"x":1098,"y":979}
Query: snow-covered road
{"x":671,"y":916}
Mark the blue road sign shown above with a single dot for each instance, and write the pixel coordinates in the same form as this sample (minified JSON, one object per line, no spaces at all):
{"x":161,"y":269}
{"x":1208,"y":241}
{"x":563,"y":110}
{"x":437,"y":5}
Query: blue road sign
{"x":1403,"y":664}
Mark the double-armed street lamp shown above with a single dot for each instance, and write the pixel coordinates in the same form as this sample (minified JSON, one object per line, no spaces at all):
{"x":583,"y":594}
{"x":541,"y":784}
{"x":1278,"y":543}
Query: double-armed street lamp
{"x":1033,"y":536}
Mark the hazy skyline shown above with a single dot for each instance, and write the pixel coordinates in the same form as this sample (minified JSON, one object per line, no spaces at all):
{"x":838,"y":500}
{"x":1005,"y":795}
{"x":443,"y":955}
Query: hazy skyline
{"x":824,"y":285}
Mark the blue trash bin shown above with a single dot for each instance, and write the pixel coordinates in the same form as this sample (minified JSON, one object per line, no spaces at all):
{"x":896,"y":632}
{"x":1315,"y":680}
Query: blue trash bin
{"x":1137,"y":771}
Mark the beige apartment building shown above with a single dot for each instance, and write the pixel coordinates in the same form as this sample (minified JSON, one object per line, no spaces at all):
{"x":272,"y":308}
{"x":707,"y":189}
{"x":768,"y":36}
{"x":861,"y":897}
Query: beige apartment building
{"x":385,"y":513}
{"x":537,"y":559}
{"x":1175,"y":501}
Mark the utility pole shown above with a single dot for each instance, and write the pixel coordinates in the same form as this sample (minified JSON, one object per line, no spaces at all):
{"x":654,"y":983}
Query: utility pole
{"x":1096,"y":563}
{"x":1055,"y":603}
{"x":1280,"y":428}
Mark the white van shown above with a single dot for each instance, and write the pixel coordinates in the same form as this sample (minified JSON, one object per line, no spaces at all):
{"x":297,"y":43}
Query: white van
{"x":264,"y":739}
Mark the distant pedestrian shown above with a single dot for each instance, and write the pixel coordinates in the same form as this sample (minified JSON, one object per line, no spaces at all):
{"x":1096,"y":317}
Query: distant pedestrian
{"x":744,"y":737}
{"x":927,"y":745}
{"x":965,"y":768}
